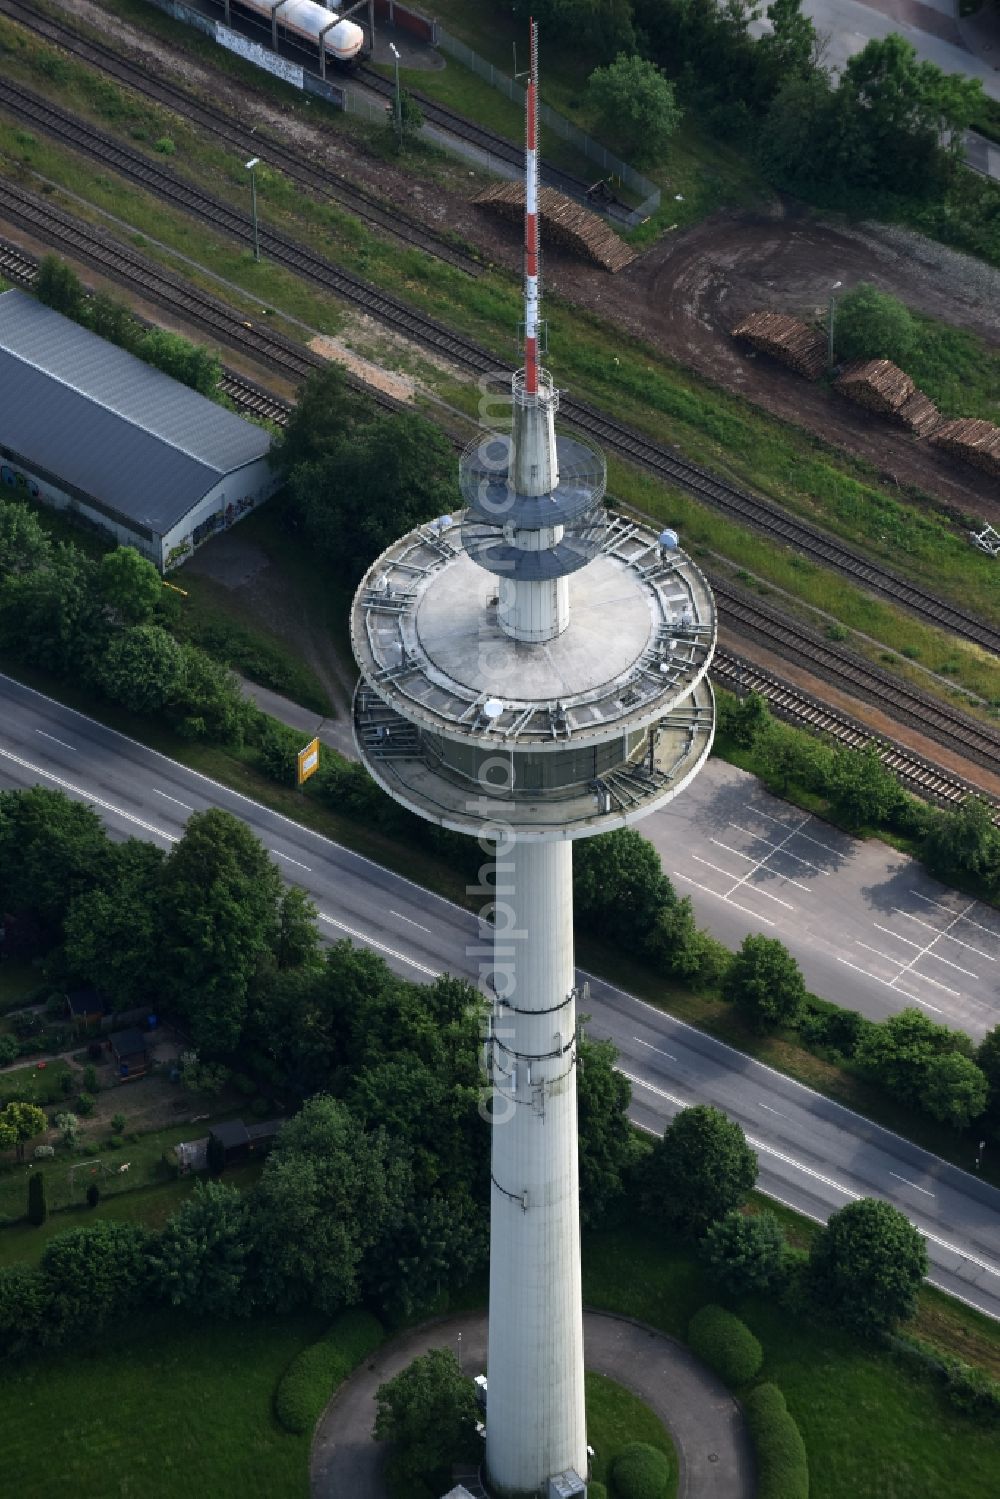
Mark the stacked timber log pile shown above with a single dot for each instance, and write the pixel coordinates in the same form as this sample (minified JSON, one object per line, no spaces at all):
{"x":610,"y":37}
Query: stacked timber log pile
{"x":566,"y":224}
{"x":972,"y":440}
{"x":785,"y":339}
{"x":881,"y":386}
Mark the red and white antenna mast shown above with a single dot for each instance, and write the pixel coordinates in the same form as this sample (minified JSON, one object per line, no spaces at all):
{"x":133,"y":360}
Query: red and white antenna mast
{"x":531,"y":223}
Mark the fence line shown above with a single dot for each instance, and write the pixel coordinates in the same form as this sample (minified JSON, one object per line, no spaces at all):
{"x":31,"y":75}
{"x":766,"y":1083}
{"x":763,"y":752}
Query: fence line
{"x":562,"y":127}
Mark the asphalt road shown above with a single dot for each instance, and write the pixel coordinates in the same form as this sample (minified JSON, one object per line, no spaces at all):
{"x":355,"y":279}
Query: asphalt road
{"x":814,"y":1155}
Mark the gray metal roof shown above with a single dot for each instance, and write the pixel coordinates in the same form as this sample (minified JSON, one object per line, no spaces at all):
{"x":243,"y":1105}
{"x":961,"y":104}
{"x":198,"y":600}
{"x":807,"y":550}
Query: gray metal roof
{"x":86,"y":412}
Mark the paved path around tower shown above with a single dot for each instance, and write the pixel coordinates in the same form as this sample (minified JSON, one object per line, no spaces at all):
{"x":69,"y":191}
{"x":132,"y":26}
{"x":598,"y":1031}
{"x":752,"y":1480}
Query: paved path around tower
{"x":703,"y":1418}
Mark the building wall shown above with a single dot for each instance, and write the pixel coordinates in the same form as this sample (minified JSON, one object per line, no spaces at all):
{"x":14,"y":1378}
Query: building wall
{"x":233,"y":497}
{"x":226,"y":503}
{"x":19,"y":482}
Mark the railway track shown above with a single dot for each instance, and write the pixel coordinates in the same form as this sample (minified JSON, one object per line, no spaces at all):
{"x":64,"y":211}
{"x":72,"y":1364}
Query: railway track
{"x":741,"y":505}
{"x":356,"y":199}
{"x":789,"y":702}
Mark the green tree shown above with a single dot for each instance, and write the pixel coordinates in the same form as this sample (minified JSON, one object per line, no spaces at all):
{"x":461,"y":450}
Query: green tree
{"x":112,"y":320}
{"x":298,"y":940}
{"x":208,"y":703}
{"x":200,"y":1260}
{"x":699,"y":1170}
{"x":219,"y":900}
{"x":129,"y":585}
{"x":411,"y":117}
{"x":765,"y":983}
{"x":871,"y":324}
{"x":429,"y":1413}
{"x":24,"y":543}
{"x":58,"y":286}
{"x":48,"y":616}
{"x":26,"y":1120}
{"x":747,"y":1254}
{"x":190,"y":363}
{"x":326,"y":1192}
{"x":142,"y":668}
{"x":607,"y":1144}
{"x":52,"y":849}
{"x":789,"y":49}
{"x":679,"y":947}
{"x":955,"y":1090}
{"x":963,"y":843}
{"x":866,"y":1266}
{"x":862,"y":791}
{"x":95,"y":1276}
{"x":68,"y":1126}
{"x":988,"y":1059}
{"x":635,"y":105}
{"x":37,"y":1208}
{"x":433,"y":1242}
{"x":110,"y":931}
{"x":325,"y":409}
{"x":743,"y":718}
{"x":900,"y":1052}
{"x":24,"y":1323}
{"x":619,"y":887}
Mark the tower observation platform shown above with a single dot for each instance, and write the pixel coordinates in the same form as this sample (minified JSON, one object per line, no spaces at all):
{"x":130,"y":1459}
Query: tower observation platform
{"x":533,"y":671}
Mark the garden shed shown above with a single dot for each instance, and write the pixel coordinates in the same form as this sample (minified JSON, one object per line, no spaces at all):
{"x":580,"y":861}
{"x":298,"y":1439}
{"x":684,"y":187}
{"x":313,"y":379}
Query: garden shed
{"x":128,"y":1049}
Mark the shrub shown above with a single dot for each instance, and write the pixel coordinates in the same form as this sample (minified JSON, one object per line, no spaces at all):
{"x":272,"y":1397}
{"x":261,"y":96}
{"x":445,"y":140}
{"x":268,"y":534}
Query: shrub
{"x":596,"y":1491}
{"x":640,"y":1472}
{"x":312,"y":1376}
{"x":37,"y":1209}
{"x":90,"y":1080}
{"x":9,"y":1050}
{"x":85,"y":1105}
{"x":746,"y":1254}
{"x":726,"y":1345}
{"x":66,"y":1082}
{"x":169,"y":1161}
{"x":93,"y":1195}
{"x":118,"y":1123}
{"x":782,"y":1466}
{"x":164,"y":145}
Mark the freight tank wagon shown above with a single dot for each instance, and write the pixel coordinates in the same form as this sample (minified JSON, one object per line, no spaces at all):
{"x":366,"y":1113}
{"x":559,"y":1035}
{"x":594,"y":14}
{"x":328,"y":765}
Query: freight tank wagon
{"x":304,"y":21}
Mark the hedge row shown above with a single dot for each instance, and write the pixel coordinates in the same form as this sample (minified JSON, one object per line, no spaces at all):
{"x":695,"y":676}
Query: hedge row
{"x":782,"y":1466}
{"x":726,"y":1345}
{"x":968,"y":1389}
{"x":312,"y":1376}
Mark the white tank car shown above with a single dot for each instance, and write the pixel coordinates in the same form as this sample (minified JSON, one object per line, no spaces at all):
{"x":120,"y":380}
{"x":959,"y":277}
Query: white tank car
{"x":306,"y":21}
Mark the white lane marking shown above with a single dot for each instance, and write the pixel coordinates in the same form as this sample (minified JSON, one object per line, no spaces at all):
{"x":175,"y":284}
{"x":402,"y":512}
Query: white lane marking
{"x":759,"y":864}
{"x":679,"y":875}
{"x":289,"y":860}
{"x":906,"y":1179}
{"x":57,"y":741}
{"x":889,"y":984}
{"x":651,"y":1047}
{"x":827,"y":1181}
{"x":769,"y":1109}
{"x":924,"y":949}
{"x":434,"y":973}
{"x":87,"y":796}
{"x":173,"y":799}
{"x":419,"y":928}
{"x":977,"y":950}
{"x":759,"y":838}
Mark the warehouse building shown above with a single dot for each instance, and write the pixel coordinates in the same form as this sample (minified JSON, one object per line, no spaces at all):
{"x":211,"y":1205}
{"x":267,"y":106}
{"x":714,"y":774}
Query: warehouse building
{"x":86,"y":427}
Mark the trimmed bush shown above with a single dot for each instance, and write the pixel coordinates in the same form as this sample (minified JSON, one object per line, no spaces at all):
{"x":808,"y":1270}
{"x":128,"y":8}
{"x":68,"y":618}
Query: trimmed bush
{"x":314,"y":1374}
{"x":782,"y":1466}
{"x":639,"y":1472}
{"x":726,"y":1345}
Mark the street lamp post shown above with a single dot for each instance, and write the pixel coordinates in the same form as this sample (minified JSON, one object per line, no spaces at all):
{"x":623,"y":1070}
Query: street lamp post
{"x":833,"y":312}
{"x":399,"y":101}
{"x":250,"y":165}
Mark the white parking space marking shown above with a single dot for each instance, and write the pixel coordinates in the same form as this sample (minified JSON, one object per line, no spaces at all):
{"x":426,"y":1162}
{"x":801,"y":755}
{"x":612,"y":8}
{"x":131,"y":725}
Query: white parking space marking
{"x":399,"y":915}
{"x":289,"y":860}
{"x":798,"y":832}
{"x":963,"y":916}
{"x":759,"y":838}
{"x":923,"y":949}
{"x":71,"y":747}
{"x":707,"y":890}
{"x":906,"y":1179}
{"x":889,"y":984}
{"x":758,"y":864}
{"x":173,"y":799}
{"x":649,"y":1045}
{"x":946,"y":934}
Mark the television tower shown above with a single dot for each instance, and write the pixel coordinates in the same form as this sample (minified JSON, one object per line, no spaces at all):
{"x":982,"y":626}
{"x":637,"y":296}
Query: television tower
{"x":533,"y":670}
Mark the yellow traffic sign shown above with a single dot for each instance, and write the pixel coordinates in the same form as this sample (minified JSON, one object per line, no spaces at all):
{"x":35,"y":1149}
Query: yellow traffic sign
{"x":308,"y":761}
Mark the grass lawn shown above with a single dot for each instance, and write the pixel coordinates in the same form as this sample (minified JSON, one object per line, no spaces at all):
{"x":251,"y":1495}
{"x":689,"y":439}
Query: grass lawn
{"x":32,"y":1084}
{"x":616,"y":1417}
{"x":872,"y":1429}
{"x":150,"y":1206}
{"x":169,"y":1409}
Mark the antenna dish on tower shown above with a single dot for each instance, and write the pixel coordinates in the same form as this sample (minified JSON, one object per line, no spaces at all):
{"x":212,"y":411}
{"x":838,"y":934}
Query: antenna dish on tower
{"x":668,"y":541}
